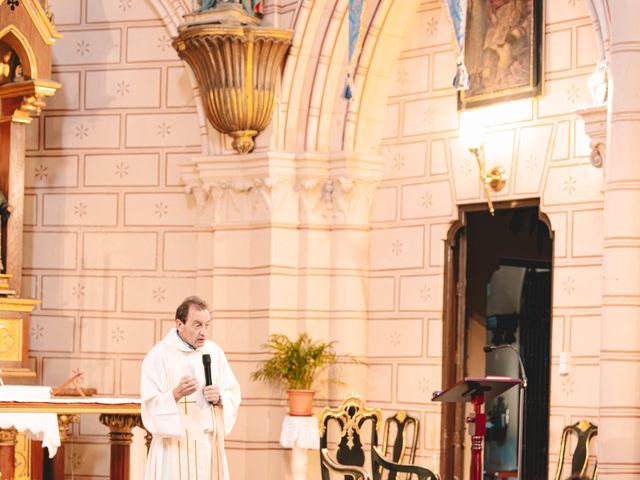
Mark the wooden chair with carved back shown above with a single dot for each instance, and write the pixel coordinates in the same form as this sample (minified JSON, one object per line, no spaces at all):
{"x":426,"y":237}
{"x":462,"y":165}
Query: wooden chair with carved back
{"x":400,"y":439}
{"x":583,"y":431}
{"x":353,"y":420}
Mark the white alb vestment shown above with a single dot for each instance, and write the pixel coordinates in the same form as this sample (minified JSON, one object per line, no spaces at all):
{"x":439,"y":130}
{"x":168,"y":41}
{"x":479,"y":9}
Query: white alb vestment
{"x":187,"y":443}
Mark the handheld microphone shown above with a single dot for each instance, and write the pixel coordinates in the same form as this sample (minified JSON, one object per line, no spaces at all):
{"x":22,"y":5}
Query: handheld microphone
{"x":206,"y":363}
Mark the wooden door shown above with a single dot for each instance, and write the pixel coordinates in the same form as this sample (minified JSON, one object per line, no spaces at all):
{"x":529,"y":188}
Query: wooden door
{"x":475,"y":247}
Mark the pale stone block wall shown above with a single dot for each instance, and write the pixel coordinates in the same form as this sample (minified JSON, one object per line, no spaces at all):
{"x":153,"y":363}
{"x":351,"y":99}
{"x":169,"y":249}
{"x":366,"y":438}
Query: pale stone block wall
{"x":428,"y":172}
{"x":112,"y":243}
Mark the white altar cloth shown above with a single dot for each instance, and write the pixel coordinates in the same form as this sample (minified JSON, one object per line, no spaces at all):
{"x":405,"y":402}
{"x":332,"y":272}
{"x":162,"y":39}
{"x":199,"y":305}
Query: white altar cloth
{"x":42,"y":426}
{"x":76,"y":400}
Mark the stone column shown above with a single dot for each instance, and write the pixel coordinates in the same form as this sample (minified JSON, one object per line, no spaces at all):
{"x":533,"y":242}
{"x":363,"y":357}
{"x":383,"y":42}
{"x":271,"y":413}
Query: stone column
{"x":619,"y":424}
{"x":286,"y":237}
{"x":352,"y":192}
{"x":64,"y":427}
{"x":120,"y":438}
{"x":8,"y":438}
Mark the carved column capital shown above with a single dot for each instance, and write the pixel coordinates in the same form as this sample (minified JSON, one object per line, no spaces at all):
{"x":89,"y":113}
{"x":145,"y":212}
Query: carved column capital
{"x":8,"y":437}
{"x":8,"y":440}
{"x":273,"y":188}
{"x":338,"y":200}
{"x":120,"y":426}
{"x":64,"y":424}
{"x":352,"y":199}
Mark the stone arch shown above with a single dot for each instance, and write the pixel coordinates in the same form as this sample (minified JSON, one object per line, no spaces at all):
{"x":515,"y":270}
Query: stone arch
{"x":301,"y":74}
{"x":20,"y":45}
{"x":311,"y":98}
{"x":381,"y":49}
{"x":171,"y":12}
{"x":331,"y":124}
{"x":311,"y":114}
{"x":601,"y":18}
{"x":327,"y":115}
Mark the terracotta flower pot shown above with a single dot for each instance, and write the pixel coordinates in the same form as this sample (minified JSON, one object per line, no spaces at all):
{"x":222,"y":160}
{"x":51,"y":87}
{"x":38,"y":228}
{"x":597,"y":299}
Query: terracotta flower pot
{"x":300,"y":402}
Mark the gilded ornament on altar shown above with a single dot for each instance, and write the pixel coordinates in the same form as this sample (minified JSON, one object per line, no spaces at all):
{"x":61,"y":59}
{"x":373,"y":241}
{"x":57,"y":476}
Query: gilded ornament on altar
{"x":23,"y":456}
{"x":8,"y":437}
{"x":10,"y":339}
{"x":64,"y":424}
{"x":5,"y":290}
{"x":14,"y":335}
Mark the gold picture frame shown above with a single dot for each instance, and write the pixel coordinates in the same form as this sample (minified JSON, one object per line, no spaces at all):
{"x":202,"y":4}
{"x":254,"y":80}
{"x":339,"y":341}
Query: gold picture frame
{"x":503,"y":50}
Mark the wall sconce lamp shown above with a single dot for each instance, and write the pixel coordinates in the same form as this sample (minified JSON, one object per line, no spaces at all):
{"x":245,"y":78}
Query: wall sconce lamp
{"x":496,"y":178}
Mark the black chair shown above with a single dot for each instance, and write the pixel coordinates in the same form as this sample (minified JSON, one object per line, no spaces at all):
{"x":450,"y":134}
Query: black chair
{"x":400,"y":439}
{"x":583,"y":431}
{"x":353,"y":418}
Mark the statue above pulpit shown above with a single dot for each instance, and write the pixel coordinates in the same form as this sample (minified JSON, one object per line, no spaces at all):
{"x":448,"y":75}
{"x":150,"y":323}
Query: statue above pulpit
{"x":252,"y":7}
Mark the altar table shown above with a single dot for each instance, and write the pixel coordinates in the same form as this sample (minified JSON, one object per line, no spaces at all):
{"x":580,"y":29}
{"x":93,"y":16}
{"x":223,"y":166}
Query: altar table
{"x":119,"y":414}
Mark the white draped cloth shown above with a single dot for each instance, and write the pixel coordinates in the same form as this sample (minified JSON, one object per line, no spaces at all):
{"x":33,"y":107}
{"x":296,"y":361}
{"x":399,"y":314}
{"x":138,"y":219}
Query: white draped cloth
{"x":188,"y":437}
{"x":300,"y":432}
{"x":42,"y":426}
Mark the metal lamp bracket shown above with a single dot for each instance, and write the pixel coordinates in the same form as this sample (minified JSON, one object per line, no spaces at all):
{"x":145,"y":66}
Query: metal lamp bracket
{"x":494,"y":180}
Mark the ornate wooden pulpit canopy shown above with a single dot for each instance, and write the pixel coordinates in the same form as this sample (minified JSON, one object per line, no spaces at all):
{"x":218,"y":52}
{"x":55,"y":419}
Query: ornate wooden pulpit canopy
{"x":26,"y":35}
{"x":237,"y":64}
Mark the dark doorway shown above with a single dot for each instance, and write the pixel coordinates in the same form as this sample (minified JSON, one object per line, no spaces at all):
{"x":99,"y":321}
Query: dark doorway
{"x":498,"y":292}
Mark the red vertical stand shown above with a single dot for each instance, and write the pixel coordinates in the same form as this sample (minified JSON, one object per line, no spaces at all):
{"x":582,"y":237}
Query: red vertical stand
{"x":476,"y":390}
{"x":477,"y":427}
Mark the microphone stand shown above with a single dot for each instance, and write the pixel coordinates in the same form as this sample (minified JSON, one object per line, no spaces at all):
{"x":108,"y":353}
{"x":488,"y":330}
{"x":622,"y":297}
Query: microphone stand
{"x":206,"y":363}
{"x":521,"y":399}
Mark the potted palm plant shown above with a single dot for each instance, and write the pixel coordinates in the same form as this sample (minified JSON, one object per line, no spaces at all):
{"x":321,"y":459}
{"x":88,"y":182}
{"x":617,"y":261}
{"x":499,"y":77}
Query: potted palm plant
{"x":296,"y":365}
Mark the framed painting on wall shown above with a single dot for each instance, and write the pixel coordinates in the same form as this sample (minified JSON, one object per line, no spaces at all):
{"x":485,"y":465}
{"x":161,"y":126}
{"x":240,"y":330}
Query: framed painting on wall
{"x":503,"y":45}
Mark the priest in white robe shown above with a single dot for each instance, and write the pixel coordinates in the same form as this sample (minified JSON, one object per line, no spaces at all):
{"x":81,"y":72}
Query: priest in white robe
{"x":188,"y":420}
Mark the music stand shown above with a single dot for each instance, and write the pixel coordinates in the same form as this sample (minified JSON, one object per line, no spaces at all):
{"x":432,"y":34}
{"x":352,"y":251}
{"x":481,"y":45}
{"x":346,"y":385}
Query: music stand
{"x":476,"y":390}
